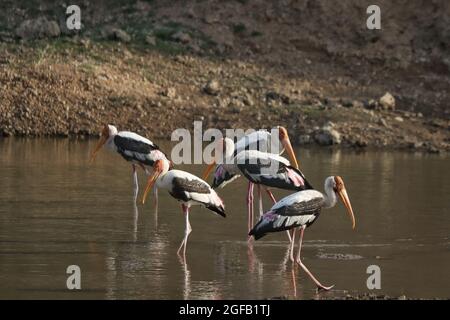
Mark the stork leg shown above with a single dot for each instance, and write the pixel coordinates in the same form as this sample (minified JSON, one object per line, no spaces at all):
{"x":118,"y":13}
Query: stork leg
{"x":260,"y":203}
{"x":271,"y":195}
{"x":187,"y":231}
{"x":135,"y":183}
{"x":291,"y":253}
{"x":250,"y":208}
{"x":299,"y":261}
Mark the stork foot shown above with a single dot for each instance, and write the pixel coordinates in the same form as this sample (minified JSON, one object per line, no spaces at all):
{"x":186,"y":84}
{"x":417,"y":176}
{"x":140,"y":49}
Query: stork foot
{"x":323,"y":288}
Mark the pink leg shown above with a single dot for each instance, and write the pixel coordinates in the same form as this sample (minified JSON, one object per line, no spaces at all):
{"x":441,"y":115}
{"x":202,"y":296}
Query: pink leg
{"x":135,"y":183}
{"x":260,"y":203}
{"x":291,"y":254}
{"x":250,"y":206}
{"x":294,"y":282}
{"x":271,"y":196}
{"x":299,"y":261}
{"x":187,"y":231}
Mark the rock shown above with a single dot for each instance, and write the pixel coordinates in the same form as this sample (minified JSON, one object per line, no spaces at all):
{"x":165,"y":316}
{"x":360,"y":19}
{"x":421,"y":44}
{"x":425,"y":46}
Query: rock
{"x":275,"y":96}
{"x":382,"y":122}
{"x":304,"y":139}
{"x":347,"y":103}
{"x":360,"y":142}
{"x":371,"y":104}
{"x":387,"y":101}
{"x":248,"y":101}
{"x":6,"y":36}
{"x":195,"y":48}
{"x":38,"y":28}
{"x":169,"y":93}
{"x":432,"y":149}
{"x":399,"y":119}
{"x":357,"y":104}
{"x":150,"y":39}
{"x":212,"y":88}
{"x":327,"y":136}
{"x":117,"y":34}
{"x":182,"y":37}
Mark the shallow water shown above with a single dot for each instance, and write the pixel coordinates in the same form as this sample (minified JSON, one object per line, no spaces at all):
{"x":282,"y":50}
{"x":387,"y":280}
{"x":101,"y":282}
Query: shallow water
{"x":56,"y":211}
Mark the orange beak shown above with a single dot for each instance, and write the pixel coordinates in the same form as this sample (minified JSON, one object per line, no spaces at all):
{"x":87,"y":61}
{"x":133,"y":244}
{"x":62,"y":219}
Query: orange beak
{"x":346,"y":201}
{"x":286,"y":142}
{"x":99,"y":145}
{"x":208,"y":170}
{"x":150,"y":183}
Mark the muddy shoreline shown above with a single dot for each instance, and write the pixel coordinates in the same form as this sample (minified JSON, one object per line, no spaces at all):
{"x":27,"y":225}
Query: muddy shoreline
{"x":160,"y":67}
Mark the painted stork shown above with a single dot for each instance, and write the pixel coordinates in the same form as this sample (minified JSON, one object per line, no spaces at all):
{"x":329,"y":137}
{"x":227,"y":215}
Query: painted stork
{"x":260,"y":168}
{"x":133,"y":148}
{"x":186,"y":188}
{"x":298,"y":211}
{"x":260,"y":140}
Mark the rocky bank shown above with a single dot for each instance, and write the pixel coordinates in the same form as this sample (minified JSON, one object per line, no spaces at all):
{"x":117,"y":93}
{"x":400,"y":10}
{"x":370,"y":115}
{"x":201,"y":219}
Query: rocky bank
{"x":154,"y":66}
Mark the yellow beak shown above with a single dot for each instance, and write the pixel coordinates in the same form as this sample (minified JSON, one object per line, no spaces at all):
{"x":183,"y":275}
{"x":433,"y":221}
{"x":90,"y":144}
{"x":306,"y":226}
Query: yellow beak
{"x":286,"y":142}
{"x":208,"y":170}
{"x":99,"y":145}
{"x":150,"y":183}
{"x":345,"y":199}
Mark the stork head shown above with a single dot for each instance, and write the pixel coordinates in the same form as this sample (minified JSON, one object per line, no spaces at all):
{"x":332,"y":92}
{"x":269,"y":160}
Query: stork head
{"x":339,"y":189}
{"x":283,"y":136}
{"x":160,"y":167}
{"x":223,"y":152}
{"x":107,"y":132}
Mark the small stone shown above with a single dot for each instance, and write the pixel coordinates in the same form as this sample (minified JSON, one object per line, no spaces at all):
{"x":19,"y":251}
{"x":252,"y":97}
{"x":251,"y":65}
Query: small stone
{"x":121,"y":35}
{"x":212,"y":88}
{"x":150,"y":39}
{"x":117,"y":34}
{"x":169,"y":93}
{"x":327,"y":136}
{"x":304,"y":139}
{"x":182,"y":37}
{"x":248,"y":101}
{"x":371,"y":104}
{"x":382,"y":122}
{"x":387,"y":101}
{"x":347,"y":103}
{"x":357,"y":104}
{"x":399,"y":119}
{"x":38,"y":28}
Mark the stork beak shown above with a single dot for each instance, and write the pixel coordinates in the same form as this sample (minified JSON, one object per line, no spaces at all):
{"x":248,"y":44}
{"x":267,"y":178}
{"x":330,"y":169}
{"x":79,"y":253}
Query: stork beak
{"x":208,"y":170}
{"x":344,"y":197}
{"x":150,"y":183}
{"x":286,"y":142}
{"x":99,"y":145}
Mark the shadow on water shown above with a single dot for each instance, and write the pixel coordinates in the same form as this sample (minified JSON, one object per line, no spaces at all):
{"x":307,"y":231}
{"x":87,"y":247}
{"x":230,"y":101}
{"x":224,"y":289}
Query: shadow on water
{"x":56,"y":211}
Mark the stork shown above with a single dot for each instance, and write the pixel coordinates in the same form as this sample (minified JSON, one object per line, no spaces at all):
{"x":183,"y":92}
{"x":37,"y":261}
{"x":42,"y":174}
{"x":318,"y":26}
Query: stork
{"x":187,"y":189}
{"x":133,"y":148}
{"x":261,"y":168}
{"x":298,"y":211}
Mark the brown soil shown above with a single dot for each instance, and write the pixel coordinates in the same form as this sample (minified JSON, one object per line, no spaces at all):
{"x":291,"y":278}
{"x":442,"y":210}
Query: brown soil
{"x":299,"y":64}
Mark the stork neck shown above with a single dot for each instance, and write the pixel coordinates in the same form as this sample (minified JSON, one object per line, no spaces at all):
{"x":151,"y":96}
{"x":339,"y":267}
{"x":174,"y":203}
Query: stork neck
{"x":330,"y":196}
{"x":110,"y":142}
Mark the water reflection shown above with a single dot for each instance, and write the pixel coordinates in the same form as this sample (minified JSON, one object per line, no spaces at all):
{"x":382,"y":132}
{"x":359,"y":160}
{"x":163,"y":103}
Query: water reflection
{"x":55,"y":210}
